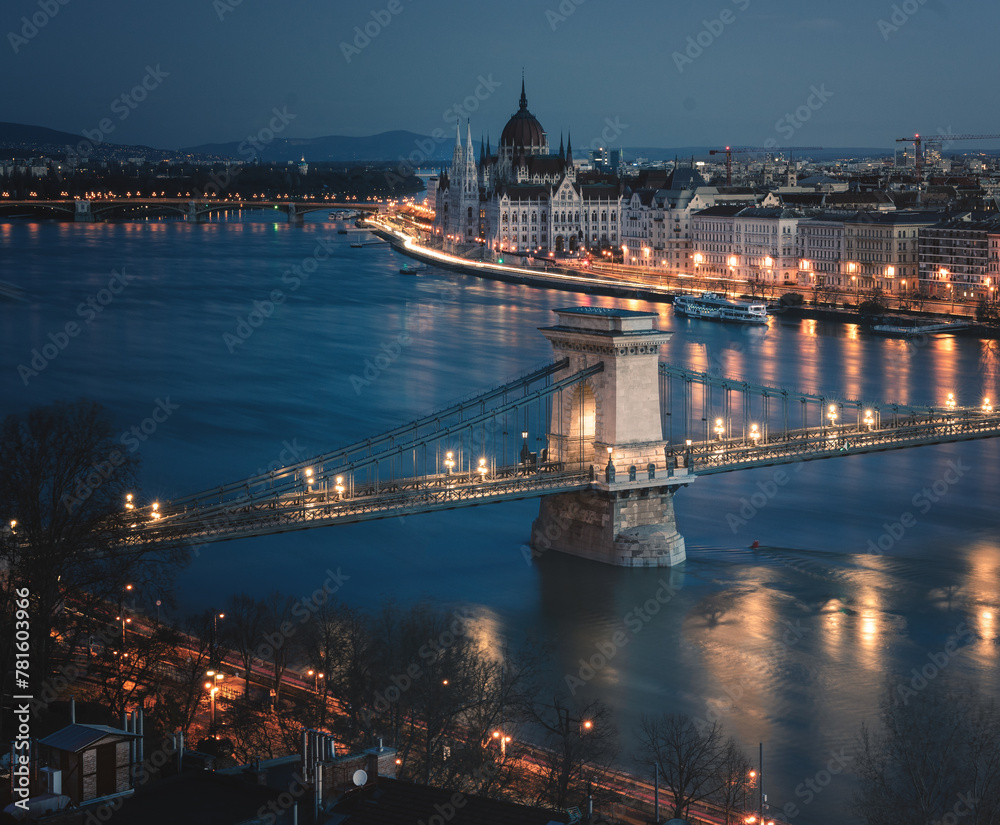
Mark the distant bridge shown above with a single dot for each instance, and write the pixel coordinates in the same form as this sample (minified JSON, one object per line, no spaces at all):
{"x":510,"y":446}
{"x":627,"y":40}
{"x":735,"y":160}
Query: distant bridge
{"x":604,"y":436}
{"x":194,"y":210}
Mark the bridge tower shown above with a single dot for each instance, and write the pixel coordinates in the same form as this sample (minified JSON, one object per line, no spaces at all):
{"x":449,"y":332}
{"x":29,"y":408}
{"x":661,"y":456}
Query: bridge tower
{"x":193,"y":215}
{"x":294,"y":216}
{"x":83,"y":213}
{"x":612,"y":426}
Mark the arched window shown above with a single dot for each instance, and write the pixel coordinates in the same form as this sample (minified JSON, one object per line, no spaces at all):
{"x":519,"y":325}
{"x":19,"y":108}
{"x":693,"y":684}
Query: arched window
{"x":470,"y":211}
{"x":593,"y":217}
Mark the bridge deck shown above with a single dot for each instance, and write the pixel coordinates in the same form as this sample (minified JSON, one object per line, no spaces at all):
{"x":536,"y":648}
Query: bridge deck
{"x":305,"y":510}
{"x":724,"y":456}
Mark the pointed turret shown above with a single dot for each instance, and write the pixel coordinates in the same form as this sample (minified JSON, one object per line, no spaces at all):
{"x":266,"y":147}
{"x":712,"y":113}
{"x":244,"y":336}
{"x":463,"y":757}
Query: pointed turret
{"x":562,"y":152}
{"x":457,"y":155}
{"x":524,"y":97}
{"x":471,"y":167}
{"x":482,"y":151}
{"x":569,"y":149}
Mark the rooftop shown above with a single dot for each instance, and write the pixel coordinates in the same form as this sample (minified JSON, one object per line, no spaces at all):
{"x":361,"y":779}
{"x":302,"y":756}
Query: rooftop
{"x":607,"y":312}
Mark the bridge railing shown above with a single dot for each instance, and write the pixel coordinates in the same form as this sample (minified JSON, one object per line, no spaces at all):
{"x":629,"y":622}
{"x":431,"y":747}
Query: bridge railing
{"x":723,"y":455}
{"x":310,"y":508}
{"x":703,"y":407}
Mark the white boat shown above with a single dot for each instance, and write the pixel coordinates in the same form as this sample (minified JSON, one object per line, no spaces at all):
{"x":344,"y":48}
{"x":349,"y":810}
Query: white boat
{"x":719,"y":308}
{"x":412,"y":269}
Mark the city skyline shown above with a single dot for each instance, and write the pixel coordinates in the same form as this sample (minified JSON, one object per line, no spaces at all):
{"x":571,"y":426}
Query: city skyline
{"x":739,"y":72}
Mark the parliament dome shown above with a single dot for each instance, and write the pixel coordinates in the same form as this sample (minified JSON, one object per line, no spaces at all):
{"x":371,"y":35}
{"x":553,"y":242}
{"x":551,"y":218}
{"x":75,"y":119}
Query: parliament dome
{"x":523,"y":129}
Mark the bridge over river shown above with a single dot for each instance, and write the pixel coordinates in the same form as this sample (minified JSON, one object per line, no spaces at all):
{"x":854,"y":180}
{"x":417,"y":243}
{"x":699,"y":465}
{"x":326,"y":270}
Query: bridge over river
{"x":194,"y":210}
{"x":604,"y":436}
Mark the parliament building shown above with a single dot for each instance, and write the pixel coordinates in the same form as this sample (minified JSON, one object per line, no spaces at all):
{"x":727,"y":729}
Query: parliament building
{"x":523,"y":199}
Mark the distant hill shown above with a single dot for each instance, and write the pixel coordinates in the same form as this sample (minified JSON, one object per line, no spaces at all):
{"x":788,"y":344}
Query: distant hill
{"x":19,"y":133}
{"x":22,"y":140}
{"x":386,"y":146}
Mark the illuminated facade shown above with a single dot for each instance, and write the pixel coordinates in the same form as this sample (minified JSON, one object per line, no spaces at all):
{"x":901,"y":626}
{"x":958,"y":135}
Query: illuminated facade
{"x":523,"y":199}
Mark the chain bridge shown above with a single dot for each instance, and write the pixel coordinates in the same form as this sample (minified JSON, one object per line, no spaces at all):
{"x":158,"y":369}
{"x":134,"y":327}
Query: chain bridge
{"x":604,"y":436}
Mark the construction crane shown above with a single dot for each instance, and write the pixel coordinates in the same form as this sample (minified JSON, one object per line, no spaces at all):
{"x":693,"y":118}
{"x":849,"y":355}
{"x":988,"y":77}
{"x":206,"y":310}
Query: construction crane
{"x":751,"y":149}
{"x":917,"y":141}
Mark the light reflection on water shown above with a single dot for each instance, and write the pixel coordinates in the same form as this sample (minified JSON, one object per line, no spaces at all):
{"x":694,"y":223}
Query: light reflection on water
{"x":789,"y":645}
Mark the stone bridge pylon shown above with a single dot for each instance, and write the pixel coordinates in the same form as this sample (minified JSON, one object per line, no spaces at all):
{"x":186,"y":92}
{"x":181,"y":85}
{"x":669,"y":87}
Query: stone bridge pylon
{"x":612,"y":425}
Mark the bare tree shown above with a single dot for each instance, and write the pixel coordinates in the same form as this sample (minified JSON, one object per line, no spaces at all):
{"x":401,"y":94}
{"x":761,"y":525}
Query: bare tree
{"x":579,"y":740}
{"x":734,"y":778}
{"x":281,"y":644}
{"x":350,"y":680}
{"x":244,"y":631}
{"x":322,"y":644}
{"x":183,"y":695}
{"x":64,"y":475}
{"x":935,"y":754}
{"x":688,"y":755}
{"x":133,"y":670}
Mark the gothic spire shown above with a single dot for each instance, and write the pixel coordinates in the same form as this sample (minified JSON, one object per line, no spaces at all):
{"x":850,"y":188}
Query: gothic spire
{"x":569,"y":149}
{"x":524,"y":97}
{"x":562,"y":152}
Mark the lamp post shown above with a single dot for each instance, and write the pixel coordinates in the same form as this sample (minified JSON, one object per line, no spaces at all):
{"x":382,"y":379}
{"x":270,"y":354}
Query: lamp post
{"x":449,"y":462}
{"x":121,"y":606}
{"x":316,"y":677}
{"x":503,"y":739}
{"x":215,"y":636}
{"x":213,"y":688}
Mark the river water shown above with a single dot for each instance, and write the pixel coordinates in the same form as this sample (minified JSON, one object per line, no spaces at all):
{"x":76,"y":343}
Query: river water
{"x":790,"y":645}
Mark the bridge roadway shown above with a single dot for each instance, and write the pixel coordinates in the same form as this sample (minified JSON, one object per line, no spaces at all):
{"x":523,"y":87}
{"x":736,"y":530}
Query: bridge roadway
{"x":257,"y":515}
{"x":836,"y":441}
{"x":305,"y":509}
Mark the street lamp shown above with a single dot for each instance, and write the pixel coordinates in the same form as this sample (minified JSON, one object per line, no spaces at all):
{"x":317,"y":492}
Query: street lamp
{"x":503,"y":739}
{"x":449,"y":462}
{"x":316,"y":677}
{"x":987,"y":406}
{"x":754,"y":434}
{"x":720,"y":430}
{"x":869,"y":419}
{"x":213,"y":688}
{"x":482,"y":469}
{"x":831,"y":413}
{"x":339,"y":486}
{"x":950,"y":403}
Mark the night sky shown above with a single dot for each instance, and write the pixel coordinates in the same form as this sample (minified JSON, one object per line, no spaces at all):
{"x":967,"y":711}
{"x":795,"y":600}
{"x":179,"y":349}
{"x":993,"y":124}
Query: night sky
{"x":650,"y":72}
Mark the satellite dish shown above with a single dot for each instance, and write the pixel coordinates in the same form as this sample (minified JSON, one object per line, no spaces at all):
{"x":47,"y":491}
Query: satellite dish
{"x":360,"y":777}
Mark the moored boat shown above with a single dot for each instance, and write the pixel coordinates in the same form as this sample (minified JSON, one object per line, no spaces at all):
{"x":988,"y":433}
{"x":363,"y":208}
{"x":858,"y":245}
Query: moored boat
{"x":716,"y":307}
